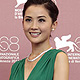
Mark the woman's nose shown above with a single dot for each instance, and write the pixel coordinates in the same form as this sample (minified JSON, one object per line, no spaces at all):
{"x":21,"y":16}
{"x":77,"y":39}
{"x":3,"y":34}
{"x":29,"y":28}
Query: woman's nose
{"x":34,"y":26}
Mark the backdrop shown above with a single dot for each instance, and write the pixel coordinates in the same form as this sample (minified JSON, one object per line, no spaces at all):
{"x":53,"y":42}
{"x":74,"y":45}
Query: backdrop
{"x":14,"y":45}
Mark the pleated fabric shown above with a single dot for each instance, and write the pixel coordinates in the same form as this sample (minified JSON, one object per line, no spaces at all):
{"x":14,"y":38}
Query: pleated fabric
{"x":43,"y":70}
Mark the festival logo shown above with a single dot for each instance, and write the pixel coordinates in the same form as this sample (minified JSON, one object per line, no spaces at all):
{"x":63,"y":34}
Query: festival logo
{"x":74,"y":47}
{"x":19,"y":2}
{"x":9,"y":48}
{"x":18,"y":11}
{"x":55,"y":1}
{"x":6,"y":44}
{"x":64,"y":42}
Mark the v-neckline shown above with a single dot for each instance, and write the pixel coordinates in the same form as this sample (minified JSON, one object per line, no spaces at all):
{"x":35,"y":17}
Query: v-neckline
{"x":35,"y":65}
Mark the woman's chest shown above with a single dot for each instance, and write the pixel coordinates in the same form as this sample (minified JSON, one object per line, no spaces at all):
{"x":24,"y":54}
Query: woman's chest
{"x":28,"y":68}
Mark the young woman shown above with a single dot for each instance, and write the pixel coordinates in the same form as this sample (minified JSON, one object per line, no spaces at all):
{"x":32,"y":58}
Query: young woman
{"x":44,"y":62}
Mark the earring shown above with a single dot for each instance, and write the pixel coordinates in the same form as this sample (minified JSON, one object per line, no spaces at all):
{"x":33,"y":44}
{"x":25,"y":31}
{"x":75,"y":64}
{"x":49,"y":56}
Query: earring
{"x":53,"y":29}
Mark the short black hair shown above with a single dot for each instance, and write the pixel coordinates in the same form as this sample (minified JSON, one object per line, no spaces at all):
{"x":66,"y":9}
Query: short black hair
{"x":48,"y":4}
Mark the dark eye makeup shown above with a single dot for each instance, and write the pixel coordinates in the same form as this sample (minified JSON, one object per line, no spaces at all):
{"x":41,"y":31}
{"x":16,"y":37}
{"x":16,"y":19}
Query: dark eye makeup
{"x":41,"y":20}
{"x":28,"y":20}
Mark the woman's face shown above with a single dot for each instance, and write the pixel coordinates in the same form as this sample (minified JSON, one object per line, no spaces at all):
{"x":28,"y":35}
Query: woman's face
{"x":37,"y":24}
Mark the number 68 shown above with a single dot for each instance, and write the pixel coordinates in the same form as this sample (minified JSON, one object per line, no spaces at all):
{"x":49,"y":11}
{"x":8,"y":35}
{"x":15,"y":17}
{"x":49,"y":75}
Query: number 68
{"x":9,"y":45}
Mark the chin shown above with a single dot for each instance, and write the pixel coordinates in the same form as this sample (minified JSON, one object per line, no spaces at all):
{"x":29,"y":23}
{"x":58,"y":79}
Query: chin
{"x":38,"y":41}
{"x":35,"y":42}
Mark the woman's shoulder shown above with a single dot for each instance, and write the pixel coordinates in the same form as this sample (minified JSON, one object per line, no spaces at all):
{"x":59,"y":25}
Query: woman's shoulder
{"x":54,"y":53}
{"x":18,"y":63}
{"x":57,"y":52}
{"x":61,"y":58}
{"x":60,"y":53}
{"x":61,"y":66}
{"x":16,"y":67}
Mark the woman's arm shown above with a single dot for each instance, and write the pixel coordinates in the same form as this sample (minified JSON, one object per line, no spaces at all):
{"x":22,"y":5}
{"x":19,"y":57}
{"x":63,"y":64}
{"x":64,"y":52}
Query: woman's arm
{"x":61,"y":67}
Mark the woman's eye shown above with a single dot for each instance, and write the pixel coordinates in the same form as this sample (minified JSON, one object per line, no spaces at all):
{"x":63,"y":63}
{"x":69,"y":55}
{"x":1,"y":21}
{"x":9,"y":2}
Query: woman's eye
{"x":28,"y":20}
{"x":41,"y":20}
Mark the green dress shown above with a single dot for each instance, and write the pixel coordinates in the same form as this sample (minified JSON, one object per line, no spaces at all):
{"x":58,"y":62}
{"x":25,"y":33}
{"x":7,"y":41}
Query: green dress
{"x":43,"y":70}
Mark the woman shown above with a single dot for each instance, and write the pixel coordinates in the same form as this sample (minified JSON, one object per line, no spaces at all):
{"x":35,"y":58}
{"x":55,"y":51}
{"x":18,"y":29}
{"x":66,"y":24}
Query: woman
{"x":44,"y":62}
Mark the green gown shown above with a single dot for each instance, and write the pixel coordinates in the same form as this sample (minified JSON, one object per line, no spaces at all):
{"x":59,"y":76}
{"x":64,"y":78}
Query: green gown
{"x":43,"y":70}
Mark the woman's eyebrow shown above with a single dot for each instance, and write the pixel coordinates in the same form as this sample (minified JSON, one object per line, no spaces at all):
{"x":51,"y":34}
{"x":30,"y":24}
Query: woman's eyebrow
{"x":28,"y":17}
{"x":37,"y":17}
{"x":41,"y":16}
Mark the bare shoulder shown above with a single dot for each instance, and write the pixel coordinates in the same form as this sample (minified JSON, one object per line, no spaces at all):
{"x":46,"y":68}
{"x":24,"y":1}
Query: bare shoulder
{"x":61,"y":60}
{"x":61,"y":67}
{"x":61,"y":56}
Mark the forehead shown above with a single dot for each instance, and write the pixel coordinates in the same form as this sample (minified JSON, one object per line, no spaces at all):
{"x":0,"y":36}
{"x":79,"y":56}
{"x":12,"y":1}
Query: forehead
{"x":36,"y":10}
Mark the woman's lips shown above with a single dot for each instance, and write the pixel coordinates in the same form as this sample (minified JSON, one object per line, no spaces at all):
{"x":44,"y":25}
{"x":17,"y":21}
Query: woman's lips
{"x":34,"y":34}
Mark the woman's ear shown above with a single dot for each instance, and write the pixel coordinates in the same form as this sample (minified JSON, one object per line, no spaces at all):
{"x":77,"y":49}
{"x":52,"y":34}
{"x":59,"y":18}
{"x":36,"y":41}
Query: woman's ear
{"x":54,"y":25}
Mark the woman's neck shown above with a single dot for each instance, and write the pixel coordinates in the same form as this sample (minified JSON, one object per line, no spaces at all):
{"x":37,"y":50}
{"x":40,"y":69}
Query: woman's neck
{"x":38,"y":48}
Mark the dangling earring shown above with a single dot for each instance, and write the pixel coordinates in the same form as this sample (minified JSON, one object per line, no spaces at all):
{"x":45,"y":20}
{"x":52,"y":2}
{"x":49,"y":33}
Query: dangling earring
{"x":53,"y":29}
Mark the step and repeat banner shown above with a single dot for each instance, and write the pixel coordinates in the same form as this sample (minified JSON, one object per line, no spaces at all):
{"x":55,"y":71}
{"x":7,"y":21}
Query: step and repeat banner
{"x":15,"y":46}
